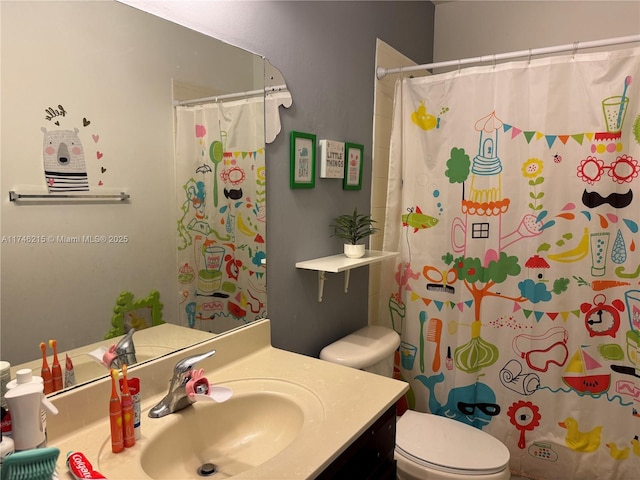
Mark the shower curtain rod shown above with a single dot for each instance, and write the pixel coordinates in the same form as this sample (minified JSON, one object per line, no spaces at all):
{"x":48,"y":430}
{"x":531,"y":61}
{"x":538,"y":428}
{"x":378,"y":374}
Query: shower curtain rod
{"x":231,"y":96}
{"x":382,"y":72}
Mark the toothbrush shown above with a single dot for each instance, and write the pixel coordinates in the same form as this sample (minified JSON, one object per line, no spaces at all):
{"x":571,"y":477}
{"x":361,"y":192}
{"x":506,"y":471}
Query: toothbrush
{"x":56,"y":370}
{"x":627,"y":82}
{"x":115,"y":416}
{"x":45,"y":373}
{"x":434,"y":332}
{"x":423,"y":318}
{"x":127,"y":411}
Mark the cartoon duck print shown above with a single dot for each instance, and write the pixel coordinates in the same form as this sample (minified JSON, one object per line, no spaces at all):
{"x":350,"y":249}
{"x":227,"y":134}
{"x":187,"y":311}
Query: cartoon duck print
{"x":581,"y":441}
{"x":617,"y":453}
{"x":636,"y":445}
{"x":424,"y":120}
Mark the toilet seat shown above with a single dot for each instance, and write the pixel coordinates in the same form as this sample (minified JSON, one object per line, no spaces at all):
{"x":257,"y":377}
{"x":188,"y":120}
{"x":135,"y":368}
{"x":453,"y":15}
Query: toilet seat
{"x":448,"y":445}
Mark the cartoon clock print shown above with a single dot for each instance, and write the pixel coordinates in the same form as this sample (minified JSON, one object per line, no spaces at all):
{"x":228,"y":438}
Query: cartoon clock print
{"x":600,"y":318}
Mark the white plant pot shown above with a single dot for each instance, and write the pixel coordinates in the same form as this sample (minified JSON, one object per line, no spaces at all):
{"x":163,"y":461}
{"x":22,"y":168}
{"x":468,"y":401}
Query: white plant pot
{"x":354,"y":251}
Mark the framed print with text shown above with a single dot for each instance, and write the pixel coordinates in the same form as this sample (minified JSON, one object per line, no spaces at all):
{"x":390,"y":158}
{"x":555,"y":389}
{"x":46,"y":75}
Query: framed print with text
{"x":303,"y":160}
{"x":354,"y":156}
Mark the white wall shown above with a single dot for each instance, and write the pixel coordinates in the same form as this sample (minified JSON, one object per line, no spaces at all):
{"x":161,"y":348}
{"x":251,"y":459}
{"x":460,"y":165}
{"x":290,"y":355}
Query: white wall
{"x":474,"y":28}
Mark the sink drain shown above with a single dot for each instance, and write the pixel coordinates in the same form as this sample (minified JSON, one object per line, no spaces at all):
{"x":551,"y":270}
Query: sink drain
{"x":207,"y":469}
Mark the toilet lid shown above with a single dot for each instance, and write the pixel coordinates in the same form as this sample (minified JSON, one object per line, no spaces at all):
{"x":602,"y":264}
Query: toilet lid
{"x":449,"y":445}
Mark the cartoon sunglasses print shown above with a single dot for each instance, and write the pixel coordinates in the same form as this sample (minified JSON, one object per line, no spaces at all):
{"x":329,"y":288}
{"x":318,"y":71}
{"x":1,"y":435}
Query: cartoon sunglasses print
{"x":622,"y":170}
{"x":490,"y":409}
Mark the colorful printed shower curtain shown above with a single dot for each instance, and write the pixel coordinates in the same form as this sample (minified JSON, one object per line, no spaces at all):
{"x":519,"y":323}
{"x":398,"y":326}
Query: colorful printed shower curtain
{"x":513,"y":200}
{"x":221,"y":221}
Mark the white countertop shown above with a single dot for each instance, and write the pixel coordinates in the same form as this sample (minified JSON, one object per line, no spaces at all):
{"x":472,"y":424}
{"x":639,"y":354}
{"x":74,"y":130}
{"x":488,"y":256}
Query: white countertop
{"x":351,"y":400}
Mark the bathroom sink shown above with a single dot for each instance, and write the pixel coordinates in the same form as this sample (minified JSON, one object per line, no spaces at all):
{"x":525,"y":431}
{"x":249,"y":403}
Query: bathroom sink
{"x":260,"y":420}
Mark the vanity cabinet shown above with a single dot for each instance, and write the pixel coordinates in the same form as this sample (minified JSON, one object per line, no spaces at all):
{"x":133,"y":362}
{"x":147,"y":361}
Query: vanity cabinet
{"x":370,"y":456}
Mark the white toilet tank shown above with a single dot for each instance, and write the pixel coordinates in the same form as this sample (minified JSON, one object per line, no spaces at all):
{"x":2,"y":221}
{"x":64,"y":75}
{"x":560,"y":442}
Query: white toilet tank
{"x":371,"y":348}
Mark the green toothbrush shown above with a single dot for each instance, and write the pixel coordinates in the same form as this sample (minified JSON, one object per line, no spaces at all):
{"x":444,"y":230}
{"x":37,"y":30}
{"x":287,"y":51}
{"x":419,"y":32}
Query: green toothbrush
{"x":423,"y":319}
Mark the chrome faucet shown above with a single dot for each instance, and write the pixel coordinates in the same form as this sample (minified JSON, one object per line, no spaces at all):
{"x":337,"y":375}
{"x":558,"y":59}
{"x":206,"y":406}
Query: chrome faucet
{"x":125,"y":351}
{"x":177,"y":398}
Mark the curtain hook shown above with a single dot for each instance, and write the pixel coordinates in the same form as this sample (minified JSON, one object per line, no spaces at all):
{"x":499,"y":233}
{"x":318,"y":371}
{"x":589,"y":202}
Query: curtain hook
{"x":459,"y":66}
{"x":575,"y":49}
{"x":529,"y":60}
{"x":494,"y":61}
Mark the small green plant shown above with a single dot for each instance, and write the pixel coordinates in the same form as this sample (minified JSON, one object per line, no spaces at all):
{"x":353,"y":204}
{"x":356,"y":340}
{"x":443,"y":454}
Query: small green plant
{"x":353,"y":227}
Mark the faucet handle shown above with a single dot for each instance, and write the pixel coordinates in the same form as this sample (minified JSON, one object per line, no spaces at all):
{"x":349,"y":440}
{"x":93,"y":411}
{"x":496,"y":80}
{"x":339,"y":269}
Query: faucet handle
{"x":187,"y":364}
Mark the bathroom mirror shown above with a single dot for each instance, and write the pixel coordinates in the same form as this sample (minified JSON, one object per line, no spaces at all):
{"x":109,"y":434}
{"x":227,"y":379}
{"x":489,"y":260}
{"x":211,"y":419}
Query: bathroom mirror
{"x":108,"y":75}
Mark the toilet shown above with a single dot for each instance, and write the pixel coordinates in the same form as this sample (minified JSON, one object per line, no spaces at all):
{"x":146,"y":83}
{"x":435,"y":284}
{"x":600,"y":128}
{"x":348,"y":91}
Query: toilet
{"x":428,"y":447}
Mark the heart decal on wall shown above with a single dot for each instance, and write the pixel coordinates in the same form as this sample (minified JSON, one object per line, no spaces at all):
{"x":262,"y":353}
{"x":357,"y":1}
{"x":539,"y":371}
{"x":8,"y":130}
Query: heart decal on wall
{"x":102,"y":169}
{"x":99,"y":154}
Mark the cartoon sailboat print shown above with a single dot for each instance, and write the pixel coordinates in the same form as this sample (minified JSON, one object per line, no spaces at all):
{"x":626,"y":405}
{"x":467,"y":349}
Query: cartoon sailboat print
{"x":581,"y":374}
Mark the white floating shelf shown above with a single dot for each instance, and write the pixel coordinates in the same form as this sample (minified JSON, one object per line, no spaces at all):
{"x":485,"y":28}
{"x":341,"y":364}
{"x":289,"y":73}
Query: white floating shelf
{"x":341,"y":263}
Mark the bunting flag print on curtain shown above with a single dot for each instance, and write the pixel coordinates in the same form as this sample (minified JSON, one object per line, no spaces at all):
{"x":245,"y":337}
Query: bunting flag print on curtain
{"x":513,"y":198}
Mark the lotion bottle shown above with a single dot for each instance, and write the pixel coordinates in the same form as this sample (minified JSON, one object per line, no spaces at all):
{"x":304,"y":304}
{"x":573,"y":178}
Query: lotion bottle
{"x":26,"y":376}
{"x":25,"y":404}
{"x":6,"y":447}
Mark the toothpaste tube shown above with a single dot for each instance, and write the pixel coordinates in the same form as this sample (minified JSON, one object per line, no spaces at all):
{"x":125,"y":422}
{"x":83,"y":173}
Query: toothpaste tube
{"x":69,"y":373}
{"x":134,"y":389}
{"x":81,"y":468}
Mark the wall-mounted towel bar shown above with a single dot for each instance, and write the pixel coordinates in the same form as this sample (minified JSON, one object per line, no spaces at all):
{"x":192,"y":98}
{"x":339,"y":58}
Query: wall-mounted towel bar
{"x":16,"y":197}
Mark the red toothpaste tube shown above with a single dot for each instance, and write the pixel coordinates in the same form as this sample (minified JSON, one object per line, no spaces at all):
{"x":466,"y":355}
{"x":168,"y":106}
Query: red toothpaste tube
{"x":81,"y":468}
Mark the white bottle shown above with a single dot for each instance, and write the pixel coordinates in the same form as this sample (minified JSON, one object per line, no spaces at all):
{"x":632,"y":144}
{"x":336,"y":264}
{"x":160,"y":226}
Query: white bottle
{"x":5,"y":377}
{"x":26,"y":401}
{"x":6,"y":447}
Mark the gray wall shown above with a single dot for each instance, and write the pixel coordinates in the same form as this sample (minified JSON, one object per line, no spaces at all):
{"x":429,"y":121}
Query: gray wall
{"x":326,"y":52}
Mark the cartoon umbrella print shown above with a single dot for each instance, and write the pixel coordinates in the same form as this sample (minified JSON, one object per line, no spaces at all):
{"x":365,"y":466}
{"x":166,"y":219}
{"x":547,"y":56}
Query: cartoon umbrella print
{"x":216,"y":154}
{"x":525,"y":416}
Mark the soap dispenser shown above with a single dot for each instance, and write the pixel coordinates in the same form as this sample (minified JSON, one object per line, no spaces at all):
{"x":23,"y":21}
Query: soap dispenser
{"x":26,"y":401}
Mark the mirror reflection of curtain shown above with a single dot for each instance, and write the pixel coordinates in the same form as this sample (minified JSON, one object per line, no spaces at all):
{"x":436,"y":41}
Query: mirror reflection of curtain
{"x":221,"y":218}
{"x":512,"y":199}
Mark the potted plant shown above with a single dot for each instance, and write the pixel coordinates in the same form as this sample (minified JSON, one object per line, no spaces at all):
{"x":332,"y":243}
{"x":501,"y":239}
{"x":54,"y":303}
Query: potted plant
{"x":353,"y":228}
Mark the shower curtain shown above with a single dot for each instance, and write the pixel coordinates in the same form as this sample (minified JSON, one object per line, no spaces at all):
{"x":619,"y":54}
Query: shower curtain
{"x":221,"y":221}
{"x":513,"y":200}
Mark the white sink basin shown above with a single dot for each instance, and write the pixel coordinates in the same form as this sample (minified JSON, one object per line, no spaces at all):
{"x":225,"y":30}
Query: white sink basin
{"x":260,"y":420}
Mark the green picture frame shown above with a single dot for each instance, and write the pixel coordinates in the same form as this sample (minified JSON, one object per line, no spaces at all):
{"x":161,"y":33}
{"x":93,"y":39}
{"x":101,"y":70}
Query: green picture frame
{"x":303,"y":160}
{"x":139,"y":314}
{"x":353,"y":164}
